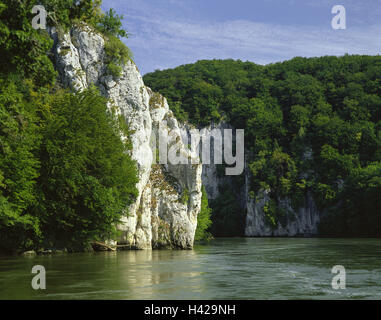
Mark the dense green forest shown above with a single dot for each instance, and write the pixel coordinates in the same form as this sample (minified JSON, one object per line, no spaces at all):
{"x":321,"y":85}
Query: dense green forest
{"x":65,"y":175}
{"x":311,"y":125}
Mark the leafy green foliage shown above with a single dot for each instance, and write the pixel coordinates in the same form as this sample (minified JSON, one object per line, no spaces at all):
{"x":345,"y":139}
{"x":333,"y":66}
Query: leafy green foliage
{"x":117,"y":55}
{"x":65,"y":175}
{"x":202,"y":92}
{"x":358,"y":211}
{"x":204,"y":219}
{"x":86,"y":180}
{"x":64,"y":13}
{"x":23,"y":50}
{"x":19,"y":139}
{"x":311,"y":125}
{"x":185,"y":196}
{"x":111,"y":24}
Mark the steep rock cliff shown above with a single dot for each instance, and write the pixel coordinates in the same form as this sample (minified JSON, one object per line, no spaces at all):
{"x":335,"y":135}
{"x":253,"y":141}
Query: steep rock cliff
{"x":300,"y":222}
{"x":169,"y":199}
{"x":304,"y":221}
{"x":212,"y":179}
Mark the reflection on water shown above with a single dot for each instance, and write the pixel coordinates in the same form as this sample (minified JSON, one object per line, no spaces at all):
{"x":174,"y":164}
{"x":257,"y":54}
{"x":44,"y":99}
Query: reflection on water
{"x":224,"y":269}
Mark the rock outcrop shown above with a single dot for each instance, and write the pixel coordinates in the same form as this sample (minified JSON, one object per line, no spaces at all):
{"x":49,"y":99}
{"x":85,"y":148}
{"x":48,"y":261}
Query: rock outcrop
{"x":212,"y":178}
{"x":169,"y":199}
{"x":304,"y":221}
{"x":301,"y":222}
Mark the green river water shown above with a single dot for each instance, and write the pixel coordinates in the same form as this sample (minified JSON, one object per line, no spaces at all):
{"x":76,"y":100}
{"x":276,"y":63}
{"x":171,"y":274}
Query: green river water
{"x":244,"y":268}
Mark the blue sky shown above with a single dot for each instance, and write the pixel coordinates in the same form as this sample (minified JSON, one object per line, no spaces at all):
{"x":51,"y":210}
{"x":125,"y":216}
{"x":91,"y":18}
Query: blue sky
{"x":168,"y":33}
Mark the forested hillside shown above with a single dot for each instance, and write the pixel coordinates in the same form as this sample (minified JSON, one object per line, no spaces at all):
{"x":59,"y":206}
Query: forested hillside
{"x":65,"y":175}
{"x":311,"y":125}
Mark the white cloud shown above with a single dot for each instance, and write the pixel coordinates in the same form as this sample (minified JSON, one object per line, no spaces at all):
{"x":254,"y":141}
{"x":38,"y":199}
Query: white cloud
{"x":162,"y":39}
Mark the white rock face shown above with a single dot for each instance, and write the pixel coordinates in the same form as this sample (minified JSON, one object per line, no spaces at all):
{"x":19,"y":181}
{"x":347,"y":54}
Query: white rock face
{"x":303,"y":222}
{"x":211,"y":179}
{"x":169,"y":200}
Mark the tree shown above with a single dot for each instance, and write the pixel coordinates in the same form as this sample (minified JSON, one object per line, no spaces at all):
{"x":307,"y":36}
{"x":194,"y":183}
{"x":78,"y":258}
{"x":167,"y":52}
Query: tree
{"x":19,"y":139}
{"x":203,"y":219}
{"x":87,"y":180}
{"x":111,"y":24}
{"x":358,"y":211}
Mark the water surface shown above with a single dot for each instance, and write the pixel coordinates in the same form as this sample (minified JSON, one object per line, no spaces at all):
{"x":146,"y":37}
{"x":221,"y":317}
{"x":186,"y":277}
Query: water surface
{"x":225,"y":269}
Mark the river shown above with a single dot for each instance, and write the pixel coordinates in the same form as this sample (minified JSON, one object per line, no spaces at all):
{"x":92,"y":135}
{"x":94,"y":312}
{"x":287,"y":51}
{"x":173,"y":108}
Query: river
{"x":244,"y":268}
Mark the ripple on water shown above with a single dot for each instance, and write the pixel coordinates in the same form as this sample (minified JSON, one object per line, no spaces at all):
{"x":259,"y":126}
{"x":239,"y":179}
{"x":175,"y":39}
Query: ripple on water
{"x":224,"y":269}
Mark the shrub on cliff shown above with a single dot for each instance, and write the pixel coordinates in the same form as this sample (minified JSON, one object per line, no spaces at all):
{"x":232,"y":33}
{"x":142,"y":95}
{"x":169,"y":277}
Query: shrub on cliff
{"x":204,"y":219}
{"x":110,"y":23}
{"x":117,"y":54}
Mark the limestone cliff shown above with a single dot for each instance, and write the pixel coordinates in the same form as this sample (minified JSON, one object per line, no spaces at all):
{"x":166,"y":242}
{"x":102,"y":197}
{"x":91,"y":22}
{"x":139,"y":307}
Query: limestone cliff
{"x":165,"y":212}
{"x":301,"y":222}
{"x":211,"y":178}
{"x":304,"y":221}
{"x":169,"y":200}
